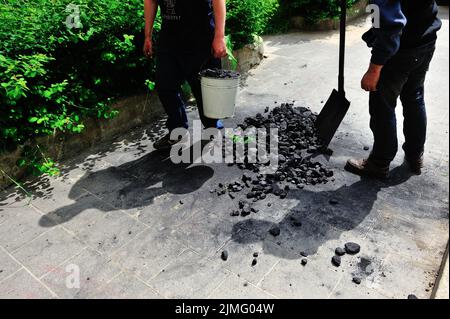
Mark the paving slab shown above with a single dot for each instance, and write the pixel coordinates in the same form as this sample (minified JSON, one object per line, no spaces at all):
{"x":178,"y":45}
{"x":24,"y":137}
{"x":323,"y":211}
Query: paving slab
{"x":81,"y":276}
{"x":190,"y":276}
{"x":420,"y":280}
{"x":110,"y":232}
{"x":214,"y":235}
{"x":149,"y":252}
{"x":240,"y":258}
{"x":22,"y":285}
{"x":125,"y":286}
{"x":170,"y":210}
{"x":50,"y":193}
{"x":46,"y":252}
{"x":347,"y":289}
{"x":12,"y":198}
{"x":20,"y":225}
{"x":238,"y":288}
{"x":80,"y":213}
{"x":290,"y":280}
{"x":8,"y":265}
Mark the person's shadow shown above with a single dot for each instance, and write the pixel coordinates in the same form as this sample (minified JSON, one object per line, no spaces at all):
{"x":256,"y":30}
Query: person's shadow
{"x":132,"y":185}
{"x":318,"y":218}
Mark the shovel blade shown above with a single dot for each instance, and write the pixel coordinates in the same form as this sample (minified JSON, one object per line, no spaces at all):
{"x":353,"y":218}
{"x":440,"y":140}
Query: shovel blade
{"x":331,"y":116}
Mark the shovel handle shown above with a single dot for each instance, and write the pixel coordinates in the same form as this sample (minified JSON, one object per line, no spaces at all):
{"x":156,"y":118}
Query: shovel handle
{"x":343,"y":22}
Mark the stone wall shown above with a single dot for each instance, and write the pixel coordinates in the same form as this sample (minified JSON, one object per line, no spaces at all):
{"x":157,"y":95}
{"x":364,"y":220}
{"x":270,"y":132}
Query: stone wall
{"x":134,"y":111}
{"x":251,"y":55}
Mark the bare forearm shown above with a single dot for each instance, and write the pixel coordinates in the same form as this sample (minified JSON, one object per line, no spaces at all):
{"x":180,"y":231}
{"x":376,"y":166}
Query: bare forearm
{"x":220,"y":14}
{"x":375,"y":68}
{"x":150,"y":10}
{"x":370,"y":80}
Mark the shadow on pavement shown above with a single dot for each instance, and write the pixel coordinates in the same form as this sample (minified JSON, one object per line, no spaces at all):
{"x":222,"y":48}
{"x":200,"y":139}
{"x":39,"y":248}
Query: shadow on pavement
{"x":132,"y":185}
{"x":314,"y":221}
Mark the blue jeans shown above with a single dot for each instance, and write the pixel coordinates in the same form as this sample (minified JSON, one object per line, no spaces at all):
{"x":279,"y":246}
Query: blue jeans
{"x":172,"y":70}
{"x":403,"y":76}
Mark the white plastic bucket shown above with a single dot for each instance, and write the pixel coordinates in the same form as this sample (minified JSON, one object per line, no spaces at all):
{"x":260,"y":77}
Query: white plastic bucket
{"x":219,"y":96}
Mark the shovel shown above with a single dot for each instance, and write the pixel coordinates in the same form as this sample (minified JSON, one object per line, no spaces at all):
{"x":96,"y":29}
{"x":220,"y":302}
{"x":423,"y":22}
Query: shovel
{"x":337,"y":105}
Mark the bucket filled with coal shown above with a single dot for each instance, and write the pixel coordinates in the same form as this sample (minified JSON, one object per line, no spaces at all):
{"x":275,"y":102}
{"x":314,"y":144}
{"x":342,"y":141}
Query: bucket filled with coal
{"x":219,"y":90}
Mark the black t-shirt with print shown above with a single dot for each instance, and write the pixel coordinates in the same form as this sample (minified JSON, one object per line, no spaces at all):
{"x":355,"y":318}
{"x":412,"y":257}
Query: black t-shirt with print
{"x":187,"y":25}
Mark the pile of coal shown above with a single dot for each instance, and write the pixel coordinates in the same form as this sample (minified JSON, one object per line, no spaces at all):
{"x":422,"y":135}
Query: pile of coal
{"x":219,"y":74}
{"x":298,"y":139}
{"x":296,"y":168}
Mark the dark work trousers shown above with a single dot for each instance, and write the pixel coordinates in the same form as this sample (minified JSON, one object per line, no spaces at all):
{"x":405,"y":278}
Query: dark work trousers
{"x":172,"y":70}
{"x":403,"y":76}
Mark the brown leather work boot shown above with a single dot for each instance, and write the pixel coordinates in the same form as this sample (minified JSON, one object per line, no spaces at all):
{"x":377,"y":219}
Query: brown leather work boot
{"x":415,"y":165}
{"x":367,"y":167}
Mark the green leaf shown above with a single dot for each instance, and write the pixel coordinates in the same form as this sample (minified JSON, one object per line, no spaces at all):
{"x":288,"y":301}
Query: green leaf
{"x":21,"y":162}
{"x":150,"y":85}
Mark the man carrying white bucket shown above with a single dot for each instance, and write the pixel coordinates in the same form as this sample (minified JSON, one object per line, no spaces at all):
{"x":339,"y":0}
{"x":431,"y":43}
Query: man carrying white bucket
{"x":192,"y":38}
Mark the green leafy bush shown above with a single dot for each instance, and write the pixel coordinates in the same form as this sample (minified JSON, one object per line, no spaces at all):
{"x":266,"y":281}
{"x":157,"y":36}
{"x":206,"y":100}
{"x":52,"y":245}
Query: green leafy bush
{"x":247,"y":18}
{"x":55,"y":72}
{"x":313,"y":10}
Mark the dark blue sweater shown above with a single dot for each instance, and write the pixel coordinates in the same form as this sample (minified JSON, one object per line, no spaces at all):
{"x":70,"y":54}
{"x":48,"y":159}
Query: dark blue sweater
{"x":404,"y":25}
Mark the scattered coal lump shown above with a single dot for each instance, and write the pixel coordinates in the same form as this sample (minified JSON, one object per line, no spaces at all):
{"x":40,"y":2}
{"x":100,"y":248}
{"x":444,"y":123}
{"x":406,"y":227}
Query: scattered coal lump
{"x":357,"y":280}
{"x":336,"y":260}
{"x":235,"y":213}
{"x":352,"y":248}
{"x":296,"y":222}
{"x":340,"y":251}
{"x":224,"y":255}
{"x":275,"y":231}
{"x":333,"y":202}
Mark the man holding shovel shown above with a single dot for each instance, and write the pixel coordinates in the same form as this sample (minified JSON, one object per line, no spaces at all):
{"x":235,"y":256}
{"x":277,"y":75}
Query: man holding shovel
{"x":192,"y":38}
{"x":402,"y":49}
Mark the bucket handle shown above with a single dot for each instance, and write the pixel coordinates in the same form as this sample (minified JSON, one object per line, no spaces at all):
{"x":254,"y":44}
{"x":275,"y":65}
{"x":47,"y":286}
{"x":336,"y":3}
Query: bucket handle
{"x":208,"y":59}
